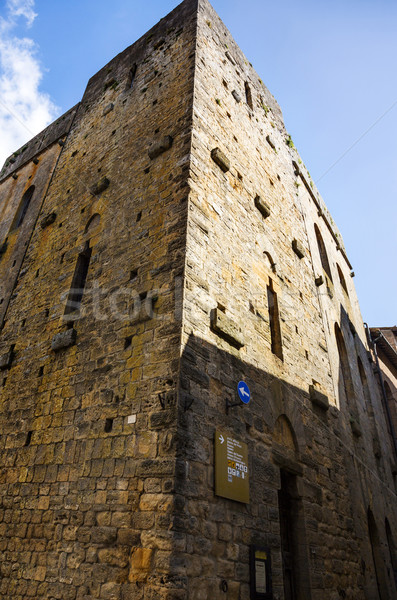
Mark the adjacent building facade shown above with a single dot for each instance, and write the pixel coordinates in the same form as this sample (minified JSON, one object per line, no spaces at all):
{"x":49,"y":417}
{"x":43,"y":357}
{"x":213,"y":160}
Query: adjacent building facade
{"x":164,"y":253}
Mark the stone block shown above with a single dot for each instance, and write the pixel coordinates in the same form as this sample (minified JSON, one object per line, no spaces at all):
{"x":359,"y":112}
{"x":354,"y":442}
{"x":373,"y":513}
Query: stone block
{"x":319,"y":280}
{"x":64,"y":339}
{"x":270,"y":142}
{"x":160,"y":146}
{"x":220,"y":159}
{"x":262,"y":206}
{"x":100,"y":186}
{"x":140,"y":564}
{"x":318,"y":398}
{"x":355,"y":426}
{"x":226,"y":328}
{"x":298,"y":248}
{"x":230,"y":57}
{"x":108,"y":109}
{"x":48,"y":220}
{"x":6,"y":359}
{"x":236,"y":96}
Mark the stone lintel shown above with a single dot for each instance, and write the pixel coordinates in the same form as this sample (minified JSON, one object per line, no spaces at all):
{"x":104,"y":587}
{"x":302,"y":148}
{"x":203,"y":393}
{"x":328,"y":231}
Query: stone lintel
{"x":286,"y":462}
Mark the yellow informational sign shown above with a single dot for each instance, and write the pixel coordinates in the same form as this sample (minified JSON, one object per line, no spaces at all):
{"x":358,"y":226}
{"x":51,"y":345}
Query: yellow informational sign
{"x":231,"y":467}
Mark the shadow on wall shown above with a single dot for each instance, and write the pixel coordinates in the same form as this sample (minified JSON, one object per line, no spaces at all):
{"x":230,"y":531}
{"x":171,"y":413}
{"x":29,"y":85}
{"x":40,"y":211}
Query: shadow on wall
{"x":306,"y":475}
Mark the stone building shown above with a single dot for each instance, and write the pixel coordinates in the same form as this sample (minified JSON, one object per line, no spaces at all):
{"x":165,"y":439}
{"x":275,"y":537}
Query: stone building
{"x":164,"y":250}
{"x":383,"y":345}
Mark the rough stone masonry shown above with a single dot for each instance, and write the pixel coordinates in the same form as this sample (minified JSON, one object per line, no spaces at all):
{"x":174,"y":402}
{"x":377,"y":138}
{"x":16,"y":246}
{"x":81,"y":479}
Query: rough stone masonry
{"x":160,"y":243}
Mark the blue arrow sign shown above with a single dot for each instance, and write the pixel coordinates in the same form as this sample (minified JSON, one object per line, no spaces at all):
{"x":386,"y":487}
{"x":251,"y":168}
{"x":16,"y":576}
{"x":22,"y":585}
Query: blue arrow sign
{"x":243,"y":392}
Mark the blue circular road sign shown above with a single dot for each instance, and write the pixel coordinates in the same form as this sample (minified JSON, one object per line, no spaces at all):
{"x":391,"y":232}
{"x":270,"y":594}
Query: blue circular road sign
{"x":243,"y":392}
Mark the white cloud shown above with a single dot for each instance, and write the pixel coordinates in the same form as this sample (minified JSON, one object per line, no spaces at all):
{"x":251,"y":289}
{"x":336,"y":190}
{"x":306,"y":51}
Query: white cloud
{"x":22,"y":8}
{"x":24,"y":109}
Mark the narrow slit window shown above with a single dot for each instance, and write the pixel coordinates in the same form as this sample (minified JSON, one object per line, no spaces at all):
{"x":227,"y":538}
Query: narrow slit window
{"x":342,"y":279}
{"x":345,"y":376}
{"x":323,"y":252}
{"x":23,"y":207}
{"x":274,"y":322}
{"x":131,"y":77}
{"x":248,"y":95}
{"x":79,"y":280}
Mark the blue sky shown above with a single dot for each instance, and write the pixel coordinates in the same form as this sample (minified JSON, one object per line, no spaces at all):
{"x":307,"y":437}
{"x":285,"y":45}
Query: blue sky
{"x":330,"y":65}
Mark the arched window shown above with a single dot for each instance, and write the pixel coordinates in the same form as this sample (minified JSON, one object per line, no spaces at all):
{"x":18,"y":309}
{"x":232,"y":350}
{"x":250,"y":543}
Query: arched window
{"x":323,"y":252}
{"x":346,"y":376}
{"x":23,"y":207}
{"x":342,"y":279}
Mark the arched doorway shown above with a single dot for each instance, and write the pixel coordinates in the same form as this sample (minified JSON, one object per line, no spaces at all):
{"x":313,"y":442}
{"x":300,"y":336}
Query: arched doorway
{"x":296,"y":576}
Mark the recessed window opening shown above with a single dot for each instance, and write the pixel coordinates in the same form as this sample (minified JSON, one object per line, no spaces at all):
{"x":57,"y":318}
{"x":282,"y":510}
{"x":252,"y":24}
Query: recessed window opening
{"x":108,"y":425}
{"x":377,"y":556}
{"x":23,"y":207}
{"x":346,"y":376}
{"x":131,"y":77}
{"x":364,"y":385}
{"x":23,"y":322}
{"x":133,"y":274}
{"x":128,"y":342}
{"x":41,"y":371}
{"x":139,"y":217}
{"x":79,"y":280}
{"x":292,"y":537}
{"x":323,"y":252}
{"x":248,"y":95}
{"x":391,"y":404}
{"x":342,"y":279}
{"x":274,"y":322}
{"x":28,"y":438}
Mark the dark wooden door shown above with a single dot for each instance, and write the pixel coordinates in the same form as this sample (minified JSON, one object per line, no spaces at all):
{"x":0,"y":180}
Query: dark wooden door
{"x":285,"y":503}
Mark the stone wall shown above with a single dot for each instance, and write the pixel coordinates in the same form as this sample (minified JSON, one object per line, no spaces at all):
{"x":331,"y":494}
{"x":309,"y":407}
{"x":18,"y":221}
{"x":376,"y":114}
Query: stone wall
{"x":252,"y":214}
{"x":88,"y":401}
